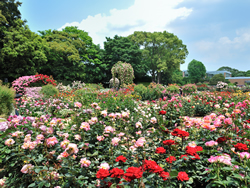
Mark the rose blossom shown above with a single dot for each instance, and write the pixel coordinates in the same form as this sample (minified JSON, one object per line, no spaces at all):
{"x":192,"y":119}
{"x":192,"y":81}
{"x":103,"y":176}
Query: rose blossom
{"x":104,"y":166}
{"x":211,"y":143}
{"x":153,"y":120}
{"x":121,"y":159}
{"x":2,"y":182}
{"x":85,"y":126}
{"x":72,"y":148}
{"x":85,"y":162}
{"x":51,"y":141}
{"x":77,"y":104}
{"x":244,"y":155}
{"x":9,"y":142}
{"x":100,"y":138}
{"x":27,"y":168}
{"x":182,"y":176}
{"x":115,"y":141}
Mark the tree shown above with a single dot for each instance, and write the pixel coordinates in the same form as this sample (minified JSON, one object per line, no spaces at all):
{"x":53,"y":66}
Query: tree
{"x":163,"y":51}
{"x":122,"y":49}
{"x":9,"y":14}
{"x":234,"y":72}
{"x":89,"y":55}
{"x":216,"y":78}
{"x":196,"y":70}
{"x":64,"y":61}
{"x":23,"y":52}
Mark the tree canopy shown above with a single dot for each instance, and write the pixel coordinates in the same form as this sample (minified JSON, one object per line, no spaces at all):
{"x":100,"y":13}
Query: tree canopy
{"x":64,"y":61}
{"x":235,"y":72}
{"x":122,"y":49}
{"x":162,"y":51}
{"x":23,"y":52}
{"x":196,"y":71}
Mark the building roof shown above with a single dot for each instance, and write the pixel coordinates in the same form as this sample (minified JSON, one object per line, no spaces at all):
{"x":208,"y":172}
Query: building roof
{"x":214,"y":72}
{"x":234,"y":78}
{"x":218,"y":72}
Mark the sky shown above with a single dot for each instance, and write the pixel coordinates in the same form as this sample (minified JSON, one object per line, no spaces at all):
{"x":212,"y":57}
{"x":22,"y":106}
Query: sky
{"x":216,"y":32}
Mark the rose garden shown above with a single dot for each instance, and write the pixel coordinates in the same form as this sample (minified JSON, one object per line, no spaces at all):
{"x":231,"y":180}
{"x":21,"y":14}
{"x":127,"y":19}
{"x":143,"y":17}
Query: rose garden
{"x":83,"y":135}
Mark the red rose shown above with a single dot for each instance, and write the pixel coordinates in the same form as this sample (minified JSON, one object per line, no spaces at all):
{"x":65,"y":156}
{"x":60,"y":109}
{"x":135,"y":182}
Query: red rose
{"x":116,"y":173}
{"x":169,"y":142}
{"x":102,"y":173}
{"x":182,"y":176}
{"x":198,"y":148}
{"x":184,"y":156}
{"x":121,"y":159}
{"x":240,"y":146}
{"x":156,"y":169}
{"x":170,"y":159}
{"x":221,"y":139}
{"x":179,"y":133}
{"x":162,"y":112}
{"x":164,"y":175}
{"x":160,"y":150}
{"x":148,"y":164}
{"x":133,"y":173}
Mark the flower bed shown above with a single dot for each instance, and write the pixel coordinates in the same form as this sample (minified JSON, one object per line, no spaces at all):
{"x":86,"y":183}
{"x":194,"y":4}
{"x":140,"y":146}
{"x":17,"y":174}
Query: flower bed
{"x":120,"y":142}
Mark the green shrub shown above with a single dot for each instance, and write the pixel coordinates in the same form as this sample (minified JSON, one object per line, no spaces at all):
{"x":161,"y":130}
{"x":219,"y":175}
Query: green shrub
{"x":7,"y":96}
{"x":86,"y":95}
{"x":49,"y":91}
{"x":94,"y":86}
{"x":189,"y":88}
{"x":173,"y":89}
{"x":140,"y":89}
{"x":152,"y":92}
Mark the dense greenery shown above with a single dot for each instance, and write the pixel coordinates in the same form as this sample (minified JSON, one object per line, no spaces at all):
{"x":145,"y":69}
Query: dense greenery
{"x":163,"y":52}
{"x":196,"y":71}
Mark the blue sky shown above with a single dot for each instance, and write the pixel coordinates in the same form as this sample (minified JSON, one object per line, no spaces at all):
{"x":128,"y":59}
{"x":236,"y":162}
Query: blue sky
{"x":216,"y":32}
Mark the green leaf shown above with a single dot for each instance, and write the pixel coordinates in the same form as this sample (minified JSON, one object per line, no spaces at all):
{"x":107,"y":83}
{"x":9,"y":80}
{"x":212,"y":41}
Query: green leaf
{"x":32,"y":185}
{"x":173,"y":173}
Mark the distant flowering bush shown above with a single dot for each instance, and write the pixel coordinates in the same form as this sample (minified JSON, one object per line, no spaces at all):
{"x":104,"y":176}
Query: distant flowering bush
{"x":221,"y":85}
{"x":189,"y":88}
{"x":21,"y":83}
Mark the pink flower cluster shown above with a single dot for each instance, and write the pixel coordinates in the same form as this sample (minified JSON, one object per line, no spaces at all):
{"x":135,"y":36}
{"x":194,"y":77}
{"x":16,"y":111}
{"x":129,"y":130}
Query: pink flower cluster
{"x":224,"y":159}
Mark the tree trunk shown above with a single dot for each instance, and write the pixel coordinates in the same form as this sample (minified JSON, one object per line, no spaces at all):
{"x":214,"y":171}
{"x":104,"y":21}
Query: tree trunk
{"x":158,"y":77}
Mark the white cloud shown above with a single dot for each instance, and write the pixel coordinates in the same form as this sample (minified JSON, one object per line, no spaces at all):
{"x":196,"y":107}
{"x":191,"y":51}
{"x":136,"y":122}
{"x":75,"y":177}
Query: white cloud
{"x":144,"y":15}
{"x":224,"y":50}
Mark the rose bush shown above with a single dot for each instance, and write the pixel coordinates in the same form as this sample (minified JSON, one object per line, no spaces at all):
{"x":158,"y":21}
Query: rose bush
{"x":116,"y":141}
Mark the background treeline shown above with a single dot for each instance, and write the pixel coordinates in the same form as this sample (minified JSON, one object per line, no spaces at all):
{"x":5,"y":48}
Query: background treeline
{"x":70,"y":54}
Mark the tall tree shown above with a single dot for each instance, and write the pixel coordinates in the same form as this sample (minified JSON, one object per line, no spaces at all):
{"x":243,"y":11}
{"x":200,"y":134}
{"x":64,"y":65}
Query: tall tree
{"x":90,"y":56}
{"x":122,"y":49}
{"x":64,"y":61}
{"x":9,"y":13}
{"x":163,"y":51}
{"x":196,"y":71}
{"x":23,"y":51}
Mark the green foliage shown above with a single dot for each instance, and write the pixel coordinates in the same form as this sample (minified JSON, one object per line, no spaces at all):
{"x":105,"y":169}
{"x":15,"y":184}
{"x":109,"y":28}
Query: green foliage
{"x":90,"y":55}
{"x":173,"y":89}
{"x":23,"y":52}
{"x":189,"y":88}
{"x":86,"y":95}
{"x":152,"y":92}
{"x":216,"y":78}
{"x":235,"y":72}
{"x":6,"y":99}
{"x":94,"y":86}
{"x":124,"y":72}
{"x":196,"y":70}
{"x":64,"y":59}
{"x":122,"y":49}
{"x":163,"y":52}
{"x":49,"y":91}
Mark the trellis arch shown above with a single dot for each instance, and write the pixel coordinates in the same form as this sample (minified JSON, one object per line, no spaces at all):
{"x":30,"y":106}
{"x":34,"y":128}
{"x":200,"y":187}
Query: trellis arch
{"x":124,"y":72}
